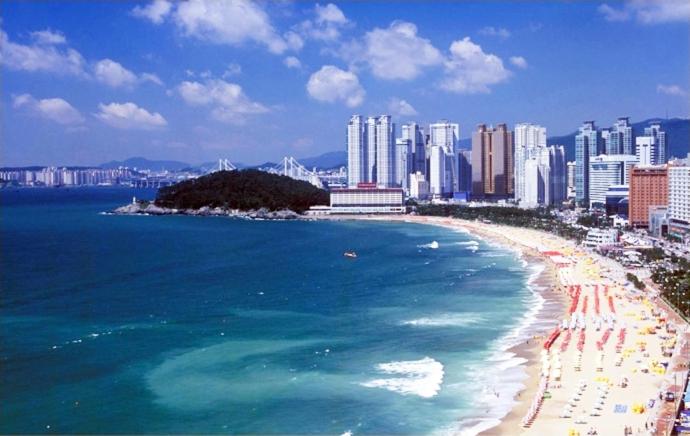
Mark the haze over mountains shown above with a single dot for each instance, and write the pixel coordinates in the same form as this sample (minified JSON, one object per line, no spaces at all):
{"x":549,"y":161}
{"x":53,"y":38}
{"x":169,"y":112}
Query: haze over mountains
{"x":677,"y":131}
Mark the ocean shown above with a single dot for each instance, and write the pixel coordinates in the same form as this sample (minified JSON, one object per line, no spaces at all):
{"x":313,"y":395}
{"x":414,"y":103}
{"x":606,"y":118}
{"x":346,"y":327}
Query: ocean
{"x":175,"y":324}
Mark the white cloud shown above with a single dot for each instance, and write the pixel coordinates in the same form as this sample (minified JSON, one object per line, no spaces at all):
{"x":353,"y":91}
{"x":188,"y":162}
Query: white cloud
{"x":129,"y":116}
{"x":331,"y":84}
{"x":231,"y":22}
{"x":469,"y":70}
{"x":41,"y":56}
{"x":113,"y":74}
{"x":329,"y":14}
{"x":230,"y":104}
{"x":292,"y":62}
{"x":48,"y":37}
{"x":648,"y":11}
{"x":233,"y":69}
{"x":395,"y":53}
{"x":671,"y":90}
{"x":156,"y":11}
{"x":54,"y":109}
{"x":498,"y":32}
{"x":326,"y":25}
{"x":519,"y":62}
{"x":400,"y":107}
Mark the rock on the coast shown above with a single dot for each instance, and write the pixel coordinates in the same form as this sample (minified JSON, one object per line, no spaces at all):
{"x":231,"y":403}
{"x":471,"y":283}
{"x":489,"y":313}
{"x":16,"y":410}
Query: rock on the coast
{"x":151,"y":209}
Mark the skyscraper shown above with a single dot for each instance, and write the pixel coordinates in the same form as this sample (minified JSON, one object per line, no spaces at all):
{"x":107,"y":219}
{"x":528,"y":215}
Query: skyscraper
{"x":587,"y":143}
{"x":529,"y":140}
{"x":654,"y":131}
{"x":371,"y":151}
{"x":606,"y":171}
{"x":571,"y":179}
{"x":385,"y":152}
{"x":646,"y":150}
{"x":413,"y":133}
{"x":437,"y":171}
{"x":403,"y":162}
{"x":545,"y":177}
{"x":620,"y":138}
{"x":679,"y":201}
{"x":356,"y":150}
{"x":465,"y":171}
{"x":492,"y":162}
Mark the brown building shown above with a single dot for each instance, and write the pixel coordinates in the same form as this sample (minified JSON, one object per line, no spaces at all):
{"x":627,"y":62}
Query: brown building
{"x":492,"y":162}
{"x":648,"y":187}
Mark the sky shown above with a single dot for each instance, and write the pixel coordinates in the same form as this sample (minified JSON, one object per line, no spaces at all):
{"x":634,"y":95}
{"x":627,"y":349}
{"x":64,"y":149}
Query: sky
{"x":83,"y":83}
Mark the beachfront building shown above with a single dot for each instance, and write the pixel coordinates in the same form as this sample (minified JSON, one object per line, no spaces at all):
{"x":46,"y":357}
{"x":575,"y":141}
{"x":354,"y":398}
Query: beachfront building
{"x":419,"y":186}
{"x":544,"y":177}
{"x":588,"y":144}
{"x":597,"y":238}
{"x":679,"y":201}
{"x":371,"y":150}
{"x":530,"y":139}
{"x":367,"y":198}
{"x":648,"y":188}
{"x":443,"y":141}
{"x":492,"y":162}
{"x":356,"y":150}
{"x":605,"y":171}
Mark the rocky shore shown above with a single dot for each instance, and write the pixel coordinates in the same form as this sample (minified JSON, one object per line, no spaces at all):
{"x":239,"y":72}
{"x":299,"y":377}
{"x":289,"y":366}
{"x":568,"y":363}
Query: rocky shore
{"x":143,"y":208}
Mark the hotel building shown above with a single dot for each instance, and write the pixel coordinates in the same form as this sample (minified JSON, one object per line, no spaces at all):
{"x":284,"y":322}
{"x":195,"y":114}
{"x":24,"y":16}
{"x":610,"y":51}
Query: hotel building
{"x":492,"y":162}
{"x":648,"y":188}
{"x":367,"y":198}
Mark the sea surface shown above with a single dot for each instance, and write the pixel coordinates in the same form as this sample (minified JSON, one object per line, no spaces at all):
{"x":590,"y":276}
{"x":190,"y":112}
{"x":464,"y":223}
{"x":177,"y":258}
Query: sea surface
{"x":142,"y":324}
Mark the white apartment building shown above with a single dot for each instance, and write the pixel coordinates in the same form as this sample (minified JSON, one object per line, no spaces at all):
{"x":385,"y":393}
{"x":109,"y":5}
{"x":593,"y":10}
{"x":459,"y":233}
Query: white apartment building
{"x":598,"y":237}
{"x":646,"y":151}
{"x":437,"y":171}
{"x":369,"y":199}
{"x":679,"y":201}
{"x":385,"y":152}
{"x":356,"y":150}
{"x":419,"y":187}
{"x":403,"y":163}
{"x":528,"y":138}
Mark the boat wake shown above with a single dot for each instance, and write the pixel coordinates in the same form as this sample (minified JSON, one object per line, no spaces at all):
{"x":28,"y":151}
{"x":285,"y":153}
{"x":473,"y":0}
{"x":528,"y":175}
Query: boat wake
{"x":431,"y":245}
{"x":418,"y":377}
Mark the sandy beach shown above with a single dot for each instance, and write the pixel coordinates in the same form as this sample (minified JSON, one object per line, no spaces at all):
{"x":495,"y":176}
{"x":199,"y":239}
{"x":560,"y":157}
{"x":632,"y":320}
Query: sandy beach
{"x":613,"y":353}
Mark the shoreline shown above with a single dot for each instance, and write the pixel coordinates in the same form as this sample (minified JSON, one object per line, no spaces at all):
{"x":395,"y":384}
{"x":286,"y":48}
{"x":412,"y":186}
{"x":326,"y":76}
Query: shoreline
{"x":545,"y":285}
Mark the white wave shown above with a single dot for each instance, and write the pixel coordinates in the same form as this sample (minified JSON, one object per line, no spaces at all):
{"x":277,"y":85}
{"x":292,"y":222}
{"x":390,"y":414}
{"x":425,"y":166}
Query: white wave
{"x":431,"y":245}
{"x":419,"y":377}
{"x":493,"y":254}
{"x":467,"y":243}
{"x":447,"y":320}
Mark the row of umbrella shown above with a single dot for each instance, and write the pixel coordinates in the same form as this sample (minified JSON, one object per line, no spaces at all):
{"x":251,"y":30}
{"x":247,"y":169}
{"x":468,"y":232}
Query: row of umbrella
{"x":531,"y":414}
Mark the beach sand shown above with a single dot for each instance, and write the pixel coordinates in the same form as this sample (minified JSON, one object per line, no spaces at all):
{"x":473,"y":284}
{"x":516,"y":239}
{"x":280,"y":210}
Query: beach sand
{"x":603,"y":365}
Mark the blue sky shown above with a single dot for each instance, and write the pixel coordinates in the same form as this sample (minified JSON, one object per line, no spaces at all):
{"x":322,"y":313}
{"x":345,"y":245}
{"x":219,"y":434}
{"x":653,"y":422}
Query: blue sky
{"x":87,"y":82}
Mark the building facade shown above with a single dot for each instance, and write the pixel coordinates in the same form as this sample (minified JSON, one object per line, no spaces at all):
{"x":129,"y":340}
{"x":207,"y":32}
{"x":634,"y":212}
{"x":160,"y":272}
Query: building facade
{"x":587,"y":144}
{"x":492,"y":162}
{"x":367,"y":198}
{"x":654,"y":131}
{"x":648,"y":188}
{"x":356,"y":150}
{"x":620,"y":138}
{"x":679,"y":201}
{"x":530,"y":139}
{"x":605,"y":171}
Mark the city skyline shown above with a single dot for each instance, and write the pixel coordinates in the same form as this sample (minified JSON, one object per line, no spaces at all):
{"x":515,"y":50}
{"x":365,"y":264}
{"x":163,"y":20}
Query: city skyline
{"x":184,"y":88}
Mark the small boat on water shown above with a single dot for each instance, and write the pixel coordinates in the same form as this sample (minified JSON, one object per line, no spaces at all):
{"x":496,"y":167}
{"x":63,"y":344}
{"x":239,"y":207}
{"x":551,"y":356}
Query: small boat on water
{"x":433,"y":245}
{"x":350,"y":254}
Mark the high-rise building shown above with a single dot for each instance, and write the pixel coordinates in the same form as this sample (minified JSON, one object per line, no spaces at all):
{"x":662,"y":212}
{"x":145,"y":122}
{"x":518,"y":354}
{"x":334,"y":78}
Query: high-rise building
{"x":492,"y":162}
{"x":529,"y":140}
{"x":620,"y":138}
{"x":648,"y":188}
{"x":356,"y":150}
{"x":605,"y":171}
{"x":646,"y":150}
{"x":444,"y":133}
{"x":413,"y":133}
{"x":403,"y":162}
{"x":545,"y":177}
{"x":465,"y":171}
{"x":587,"y":144}
{"x":371,"y":151}
{"x":437,"y":171}
{"x":419,"y":186}
{"x":679,"y":201}
{"x":571,"y":179}
{"x":654,"y":130}
{"x":370,"y":167}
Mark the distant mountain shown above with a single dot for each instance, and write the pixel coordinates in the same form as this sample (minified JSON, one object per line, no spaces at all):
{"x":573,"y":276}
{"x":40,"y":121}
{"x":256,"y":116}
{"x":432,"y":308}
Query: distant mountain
{"x":332,"y":159}
{"x":677,"y":136}
{"x":143,"y":163}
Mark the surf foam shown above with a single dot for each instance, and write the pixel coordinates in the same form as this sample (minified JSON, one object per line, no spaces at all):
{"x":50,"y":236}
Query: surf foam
{"x":419,"y":377}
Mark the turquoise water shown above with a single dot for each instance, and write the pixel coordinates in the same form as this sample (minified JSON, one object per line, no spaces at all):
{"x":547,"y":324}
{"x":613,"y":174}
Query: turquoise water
{"x":135,"y":324}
